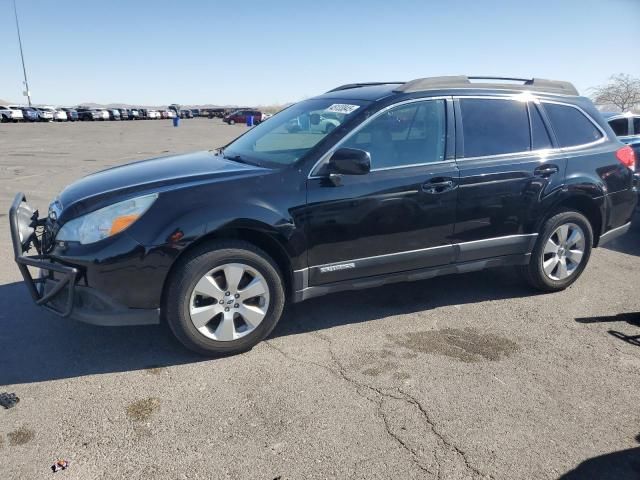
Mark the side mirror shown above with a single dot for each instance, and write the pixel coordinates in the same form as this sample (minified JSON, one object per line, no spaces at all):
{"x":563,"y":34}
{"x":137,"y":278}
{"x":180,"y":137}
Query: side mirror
{"x":350,"y":161}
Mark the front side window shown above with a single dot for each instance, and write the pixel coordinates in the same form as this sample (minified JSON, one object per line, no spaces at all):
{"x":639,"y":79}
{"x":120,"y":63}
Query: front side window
{"x":636,"y":125}
{"x":494,"y":126}
{"x":405,"y":135}
{"x":620,"y":126}
{"x":572,"y":128}
{"x":290,"y":134}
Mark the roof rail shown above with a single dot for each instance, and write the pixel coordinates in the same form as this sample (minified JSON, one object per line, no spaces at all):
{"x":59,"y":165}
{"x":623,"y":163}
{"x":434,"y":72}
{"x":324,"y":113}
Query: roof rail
{"x":365,"y":84}
{"x":462,"y":81}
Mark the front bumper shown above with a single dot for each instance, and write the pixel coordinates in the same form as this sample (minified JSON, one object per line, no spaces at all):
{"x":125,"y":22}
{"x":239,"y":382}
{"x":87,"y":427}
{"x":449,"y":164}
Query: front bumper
{"x":57,"y":288}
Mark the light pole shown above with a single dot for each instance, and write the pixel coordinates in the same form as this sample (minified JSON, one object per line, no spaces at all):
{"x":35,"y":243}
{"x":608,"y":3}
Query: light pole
{"x":26,"y":92}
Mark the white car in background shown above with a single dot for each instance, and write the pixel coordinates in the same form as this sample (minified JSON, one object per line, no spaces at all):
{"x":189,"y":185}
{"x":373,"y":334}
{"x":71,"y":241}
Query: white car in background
{"x":9,"y":113}
{"x":46,"y":113}
{"x":104,"y":113}
{"x":171,"y":113}
{"x":153,"y":114}
{"x":58,"y":115}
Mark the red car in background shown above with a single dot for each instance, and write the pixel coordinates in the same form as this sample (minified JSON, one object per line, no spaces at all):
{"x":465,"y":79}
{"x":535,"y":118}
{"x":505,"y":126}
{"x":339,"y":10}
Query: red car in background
{"x":241,"y":116}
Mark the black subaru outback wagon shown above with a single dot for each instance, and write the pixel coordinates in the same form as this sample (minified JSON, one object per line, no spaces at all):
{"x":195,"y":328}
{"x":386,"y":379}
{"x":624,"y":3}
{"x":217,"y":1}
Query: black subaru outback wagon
{"x":417,"y":179}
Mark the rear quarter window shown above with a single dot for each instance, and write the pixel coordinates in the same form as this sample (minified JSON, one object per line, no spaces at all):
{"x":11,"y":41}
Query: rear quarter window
{"x":571,"y":126}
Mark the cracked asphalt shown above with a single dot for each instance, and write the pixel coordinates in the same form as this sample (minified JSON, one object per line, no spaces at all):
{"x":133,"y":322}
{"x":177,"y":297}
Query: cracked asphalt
{"x":461,"y":377}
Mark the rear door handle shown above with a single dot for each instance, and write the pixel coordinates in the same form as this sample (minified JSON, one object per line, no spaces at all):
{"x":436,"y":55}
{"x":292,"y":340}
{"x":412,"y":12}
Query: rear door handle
{"x":546,"y":170}
{"x":439,"y":185}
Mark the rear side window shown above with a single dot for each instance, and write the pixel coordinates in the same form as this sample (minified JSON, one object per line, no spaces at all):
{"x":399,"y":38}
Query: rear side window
{"x":539,"y":135}
{"x":620,"y":126}
{"x":571,"y":126}
{"x":494,"y":127}
{"x":636,"y":125}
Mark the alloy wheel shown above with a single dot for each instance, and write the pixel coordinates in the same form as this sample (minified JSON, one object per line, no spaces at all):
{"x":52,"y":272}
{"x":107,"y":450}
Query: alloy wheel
{"x":229,"y":302}
{"x":563,"y":251}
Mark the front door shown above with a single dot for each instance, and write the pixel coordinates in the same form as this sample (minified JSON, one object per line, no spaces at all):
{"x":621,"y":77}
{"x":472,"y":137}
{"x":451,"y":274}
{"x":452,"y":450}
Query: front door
{"x":398,"y":217}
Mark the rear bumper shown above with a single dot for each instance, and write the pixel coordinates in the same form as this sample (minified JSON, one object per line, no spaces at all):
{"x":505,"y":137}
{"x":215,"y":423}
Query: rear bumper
{"x":57,"y":289}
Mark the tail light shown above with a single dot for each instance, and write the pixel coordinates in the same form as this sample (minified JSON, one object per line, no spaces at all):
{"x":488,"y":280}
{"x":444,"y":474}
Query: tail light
{"x":627,"y":157}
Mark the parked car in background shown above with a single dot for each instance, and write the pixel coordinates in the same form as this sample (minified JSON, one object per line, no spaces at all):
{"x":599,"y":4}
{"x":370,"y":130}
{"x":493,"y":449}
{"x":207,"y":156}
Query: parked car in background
{"x":626,"y":126}
{"x":153,"y":115}
{"x":241,"y":116}
{"x":88,"y":114}
{"x":114,"y":114}
{"x":30,"y":114}
{"x":9,"y":113}
{"x":186,"y":113}
{"x":72,"y":114}
{"x":217,"y":112}
{"x":125,"y":114}
{"x":46,"y":114}
{"x":105,"y":113}
{"x":59,"y":115}
{"x":134,"y":113}
{"x":196,"y":112}
{"x":171,"y":114}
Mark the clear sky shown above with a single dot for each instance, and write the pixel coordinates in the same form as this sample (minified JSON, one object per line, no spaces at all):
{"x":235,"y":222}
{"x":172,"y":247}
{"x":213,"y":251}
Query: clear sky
{"x":254,"y":52}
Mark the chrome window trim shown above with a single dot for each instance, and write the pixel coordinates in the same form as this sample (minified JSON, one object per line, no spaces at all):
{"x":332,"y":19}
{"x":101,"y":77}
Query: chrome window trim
{"x":508,"y":156}
{"x":382,"y":169}
{"x":354,"y":260}
{"x":365,"y":123}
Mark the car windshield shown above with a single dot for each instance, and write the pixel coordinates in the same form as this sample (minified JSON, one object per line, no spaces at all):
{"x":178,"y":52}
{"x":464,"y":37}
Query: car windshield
{"x":287,"y":136}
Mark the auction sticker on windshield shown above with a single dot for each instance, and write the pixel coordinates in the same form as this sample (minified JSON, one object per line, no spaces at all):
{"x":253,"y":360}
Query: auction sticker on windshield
{"x":342,"y":108}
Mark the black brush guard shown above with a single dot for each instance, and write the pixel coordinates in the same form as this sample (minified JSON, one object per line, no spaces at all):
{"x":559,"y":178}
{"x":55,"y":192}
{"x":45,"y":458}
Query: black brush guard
{"x":17,"y":215}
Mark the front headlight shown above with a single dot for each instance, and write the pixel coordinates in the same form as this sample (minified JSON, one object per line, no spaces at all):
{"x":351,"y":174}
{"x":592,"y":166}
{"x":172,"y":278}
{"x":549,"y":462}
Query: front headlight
{"x":106,"y":221}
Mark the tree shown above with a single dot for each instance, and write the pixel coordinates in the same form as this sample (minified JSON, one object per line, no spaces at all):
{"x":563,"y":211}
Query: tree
{"x":623,"y":91}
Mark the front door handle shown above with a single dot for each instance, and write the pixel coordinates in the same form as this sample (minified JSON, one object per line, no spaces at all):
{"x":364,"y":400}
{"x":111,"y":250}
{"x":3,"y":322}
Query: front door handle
{"x":440,"y":185}
{"x":546,"y":170}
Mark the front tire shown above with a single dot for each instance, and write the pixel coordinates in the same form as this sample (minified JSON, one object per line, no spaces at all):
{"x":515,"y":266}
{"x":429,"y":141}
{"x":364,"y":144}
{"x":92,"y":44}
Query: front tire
{"x":223,"y":298}
{"x":561,"y":252}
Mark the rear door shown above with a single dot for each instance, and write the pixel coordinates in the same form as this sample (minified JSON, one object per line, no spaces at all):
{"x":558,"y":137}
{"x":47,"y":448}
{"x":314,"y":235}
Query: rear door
{"x":506,"y":167}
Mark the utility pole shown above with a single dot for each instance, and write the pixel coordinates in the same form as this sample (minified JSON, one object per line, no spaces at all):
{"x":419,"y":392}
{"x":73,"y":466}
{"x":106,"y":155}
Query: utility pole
{"x":26,"y":92}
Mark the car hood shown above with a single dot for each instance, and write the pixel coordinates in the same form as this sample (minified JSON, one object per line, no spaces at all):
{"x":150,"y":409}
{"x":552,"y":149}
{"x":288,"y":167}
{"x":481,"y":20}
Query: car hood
{"x":155,"y":175}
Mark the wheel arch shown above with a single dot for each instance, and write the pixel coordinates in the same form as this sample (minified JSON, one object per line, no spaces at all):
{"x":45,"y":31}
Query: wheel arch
{"x":587,"y":206}
{"x":253,"y":234}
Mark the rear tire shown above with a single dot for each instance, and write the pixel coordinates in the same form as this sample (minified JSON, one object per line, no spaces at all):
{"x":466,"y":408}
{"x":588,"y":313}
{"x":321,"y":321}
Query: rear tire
{"x":212,"y":313}
{"x":561,"y":252}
